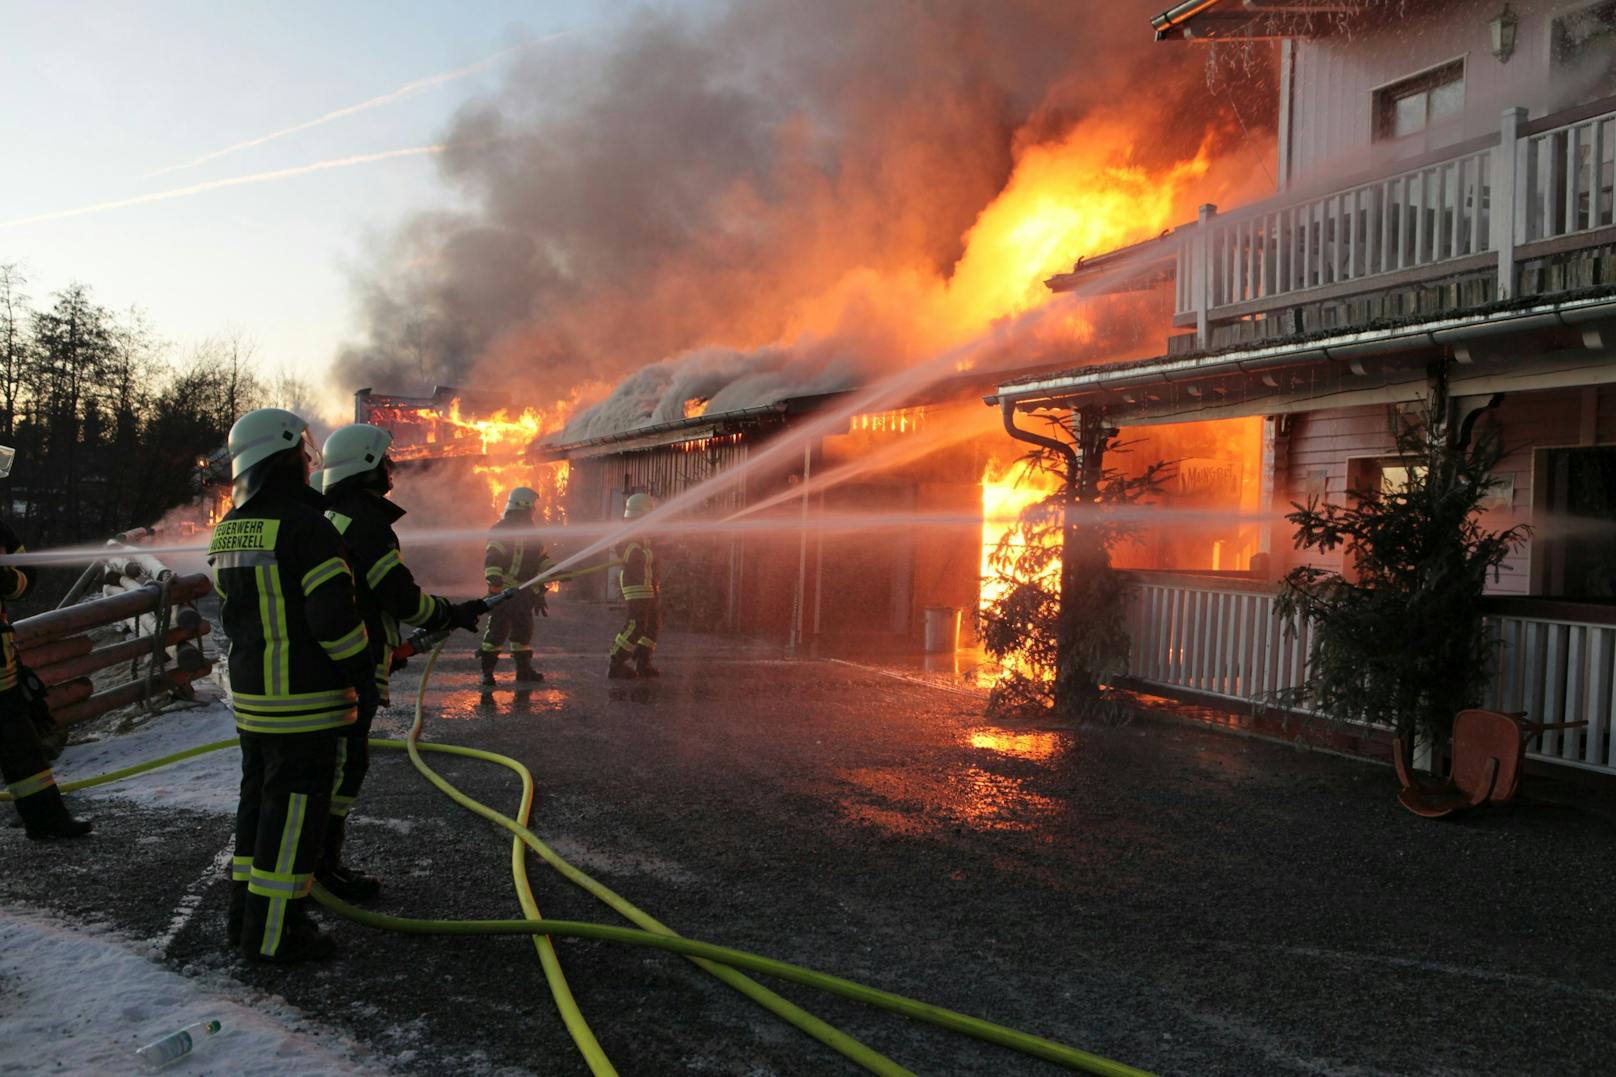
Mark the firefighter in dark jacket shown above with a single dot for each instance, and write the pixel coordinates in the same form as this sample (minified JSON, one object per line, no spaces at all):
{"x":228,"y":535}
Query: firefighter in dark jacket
{"x":641,"y":588}
{"x":28,"y":776}
{"x":509,"y":559}
{"x":300,"y":674}
{"x":357,"y":474}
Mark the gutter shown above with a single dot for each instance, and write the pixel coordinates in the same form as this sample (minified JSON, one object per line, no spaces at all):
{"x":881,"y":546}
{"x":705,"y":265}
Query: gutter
{"x":1174,"y":18}
{"x":1346,"y":348}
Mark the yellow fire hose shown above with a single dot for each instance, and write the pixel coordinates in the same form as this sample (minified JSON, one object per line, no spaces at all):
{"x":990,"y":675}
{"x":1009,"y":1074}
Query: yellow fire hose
{"x":722,"y":961}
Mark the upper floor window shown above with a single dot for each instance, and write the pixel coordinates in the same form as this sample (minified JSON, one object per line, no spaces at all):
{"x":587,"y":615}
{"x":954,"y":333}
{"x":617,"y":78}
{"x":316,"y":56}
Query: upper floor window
{"x":1410,"y":106}
{"x":1583,"y":52}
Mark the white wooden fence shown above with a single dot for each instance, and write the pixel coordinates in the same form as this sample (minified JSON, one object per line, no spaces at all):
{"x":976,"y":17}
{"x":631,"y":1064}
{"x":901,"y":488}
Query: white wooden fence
{"x":1222,"y":638}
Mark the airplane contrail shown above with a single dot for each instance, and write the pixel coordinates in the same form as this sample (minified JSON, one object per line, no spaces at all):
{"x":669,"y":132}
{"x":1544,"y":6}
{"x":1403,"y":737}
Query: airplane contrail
{"x":409,"y":89}
{"x":233,"y":181}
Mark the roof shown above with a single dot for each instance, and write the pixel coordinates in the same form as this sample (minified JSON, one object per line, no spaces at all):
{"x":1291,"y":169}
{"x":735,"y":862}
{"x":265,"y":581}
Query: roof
{"x":1134,"y":268}
{"x":1252,"y":20}
{"x":959,"y":388}
{"x":677,"y":431}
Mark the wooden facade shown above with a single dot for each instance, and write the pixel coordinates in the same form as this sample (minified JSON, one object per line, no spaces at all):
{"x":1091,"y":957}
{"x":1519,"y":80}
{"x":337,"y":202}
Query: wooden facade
{"x":1483,"y":245}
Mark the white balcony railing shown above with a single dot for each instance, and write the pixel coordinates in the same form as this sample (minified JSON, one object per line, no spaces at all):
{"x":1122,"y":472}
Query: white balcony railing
{"x":1490,"y":196}
{"x":1223,"y":639}
{"x":1568,"y":173}
{"x":1417,"y":218}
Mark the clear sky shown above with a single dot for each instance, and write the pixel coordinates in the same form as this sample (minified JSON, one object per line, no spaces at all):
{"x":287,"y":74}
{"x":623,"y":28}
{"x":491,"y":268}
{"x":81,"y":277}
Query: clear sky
{"x":96,"y":96}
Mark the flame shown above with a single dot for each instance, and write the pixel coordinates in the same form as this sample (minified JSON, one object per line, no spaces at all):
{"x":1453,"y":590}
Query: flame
{"x":548,"y":479}
{"x":1007,"y":488}
{"x":498,"y":440}
{"x":1081,"y":196}
{"x":695,"y":407}
{"x":896,"y":421}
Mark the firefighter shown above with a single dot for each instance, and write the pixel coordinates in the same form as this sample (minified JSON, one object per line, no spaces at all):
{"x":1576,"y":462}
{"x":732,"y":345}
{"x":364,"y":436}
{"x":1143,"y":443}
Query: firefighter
{"x":300,"y":674}
{"x":510,"y":559}
{"x":22,"y":760}
{"x":357,"y":476}
{"x":641,"y":587}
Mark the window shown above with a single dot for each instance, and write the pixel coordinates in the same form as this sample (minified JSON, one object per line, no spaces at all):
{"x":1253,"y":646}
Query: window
{"x":1576,"y":524}
{"x":1583,"y":53}
{"x":1410,"y":106}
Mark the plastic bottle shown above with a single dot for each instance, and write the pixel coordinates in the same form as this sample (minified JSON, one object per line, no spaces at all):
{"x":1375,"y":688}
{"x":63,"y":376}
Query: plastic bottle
{"x":154,"y":1056}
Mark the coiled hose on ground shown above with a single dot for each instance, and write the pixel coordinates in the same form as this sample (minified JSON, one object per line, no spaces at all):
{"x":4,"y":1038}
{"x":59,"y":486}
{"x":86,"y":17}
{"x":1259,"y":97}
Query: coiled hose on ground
{"x":721,"y":961}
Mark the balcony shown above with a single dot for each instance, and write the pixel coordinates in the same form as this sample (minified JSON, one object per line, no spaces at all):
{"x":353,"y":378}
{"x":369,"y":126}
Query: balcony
{"x":1522,"y":212}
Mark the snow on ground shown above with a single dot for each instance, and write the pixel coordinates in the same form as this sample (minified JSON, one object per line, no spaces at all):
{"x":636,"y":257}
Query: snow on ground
{"x":81,"y":1000}
{"x":208,"y":783}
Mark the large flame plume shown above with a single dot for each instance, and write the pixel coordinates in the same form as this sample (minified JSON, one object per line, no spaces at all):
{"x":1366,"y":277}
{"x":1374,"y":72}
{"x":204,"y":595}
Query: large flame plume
{"x":781,"y":199}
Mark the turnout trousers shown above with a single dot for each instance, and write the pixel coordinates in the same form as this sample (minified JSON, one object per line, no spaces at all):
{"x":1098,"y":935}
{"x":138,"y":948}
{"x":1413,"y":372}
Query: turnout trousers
{"x":286,"y":782}
{"x":511,"y":621}
{"x":22,"y":761}
{"x":644,"y":621}
{"x":352,"y":763}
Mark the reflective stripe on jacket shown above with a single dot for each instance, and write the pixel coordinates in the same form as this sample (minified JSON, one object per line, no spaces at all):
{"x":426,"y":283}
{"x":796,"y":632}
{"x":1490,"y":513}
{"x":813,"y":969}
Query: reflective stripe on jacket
{"x":298,"y":646}
{"x":509,"y":560}
{"x":386,"y":591}
{"x":639,"y":578}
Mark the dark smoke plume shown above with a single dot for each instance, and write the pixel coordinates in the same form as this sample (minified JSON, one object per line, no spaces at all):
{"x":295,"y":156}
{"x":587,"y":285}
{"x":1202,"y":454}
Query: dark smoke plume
{"x":663,"y":199}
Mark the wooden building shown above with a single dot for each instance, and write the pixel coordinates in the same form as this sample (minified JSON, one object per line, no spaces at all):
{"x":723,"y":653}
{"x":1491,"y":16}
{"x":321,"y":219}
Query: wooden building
{"x":1445,"y":175}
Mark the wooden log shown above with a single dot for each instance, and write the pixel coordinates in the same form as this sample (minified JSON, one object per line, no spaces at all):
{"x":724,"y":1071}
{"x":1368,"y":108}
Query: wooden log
{"x":146,"y":624}
{"x":56,"y":650}
{"x":136,"y":566}
{"x":112,"y":654}
{"x":125,"y":694}
{"x":76,"y":690}
{"x":72,"y":620}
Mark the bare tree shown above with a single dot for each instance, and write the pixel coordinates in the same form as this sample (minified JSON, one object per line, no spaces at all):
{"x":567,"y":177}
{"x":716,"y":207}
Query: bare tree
{"x":15,"y":343}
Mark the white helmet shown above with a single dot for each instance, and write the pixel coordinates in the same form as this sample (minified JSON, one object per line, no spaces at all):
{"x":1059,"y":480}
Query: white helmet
{"x":637,"y":505}
{"x":354,"y":450}
{"x":521,"y":499}
{"x":259,"y":435}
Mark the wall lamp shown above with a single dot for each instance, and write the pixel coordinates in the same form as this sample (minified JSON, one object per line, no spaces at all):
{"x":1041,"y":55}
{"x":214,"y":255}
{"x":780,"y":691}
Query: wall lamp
{"x":1503,"y":28}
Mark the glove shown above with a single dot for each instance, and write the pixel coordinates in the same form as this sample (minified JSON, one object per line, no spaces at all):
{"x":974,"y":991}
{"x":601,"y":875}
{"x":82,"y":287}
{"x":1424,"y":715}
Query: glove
{"x":370,"y":700}
{"x":465,"y":614}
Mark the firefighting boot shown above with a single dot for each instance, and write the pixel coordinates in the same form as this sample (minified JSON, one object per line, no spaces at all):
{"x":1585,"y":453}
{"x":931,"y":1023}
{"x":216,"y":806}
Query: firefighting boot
{"x":337,"y":877}
{"x":620,"y":669}
{"x":489,"y":659}
{"x":526,"y":675}
{"x":642,"y":663}
{"x":300,"y":937}
{"x":45,"y":816}
{"x":233,"y":914}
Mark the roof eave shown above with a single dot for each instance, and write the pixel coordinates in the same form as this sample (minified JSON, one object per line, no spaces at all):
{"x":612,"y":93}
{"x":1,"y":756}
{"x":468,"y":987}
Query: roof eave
{"x":1437,"y":333}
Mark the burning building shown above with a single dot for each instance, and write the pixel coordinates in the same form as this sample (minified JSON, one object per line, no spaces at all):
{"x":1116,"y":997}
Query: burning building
{"x":457,"y":455}
{"x":887,"y":202}
{"x":800,"y":554}
{"x":1445,"y":208}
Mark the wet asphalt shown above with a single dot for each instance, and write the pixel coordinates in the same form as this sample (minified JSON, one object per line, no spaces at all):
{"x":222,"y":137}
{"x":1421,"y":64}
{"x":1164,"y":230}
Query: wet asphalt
{"x":1182,"y":900}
